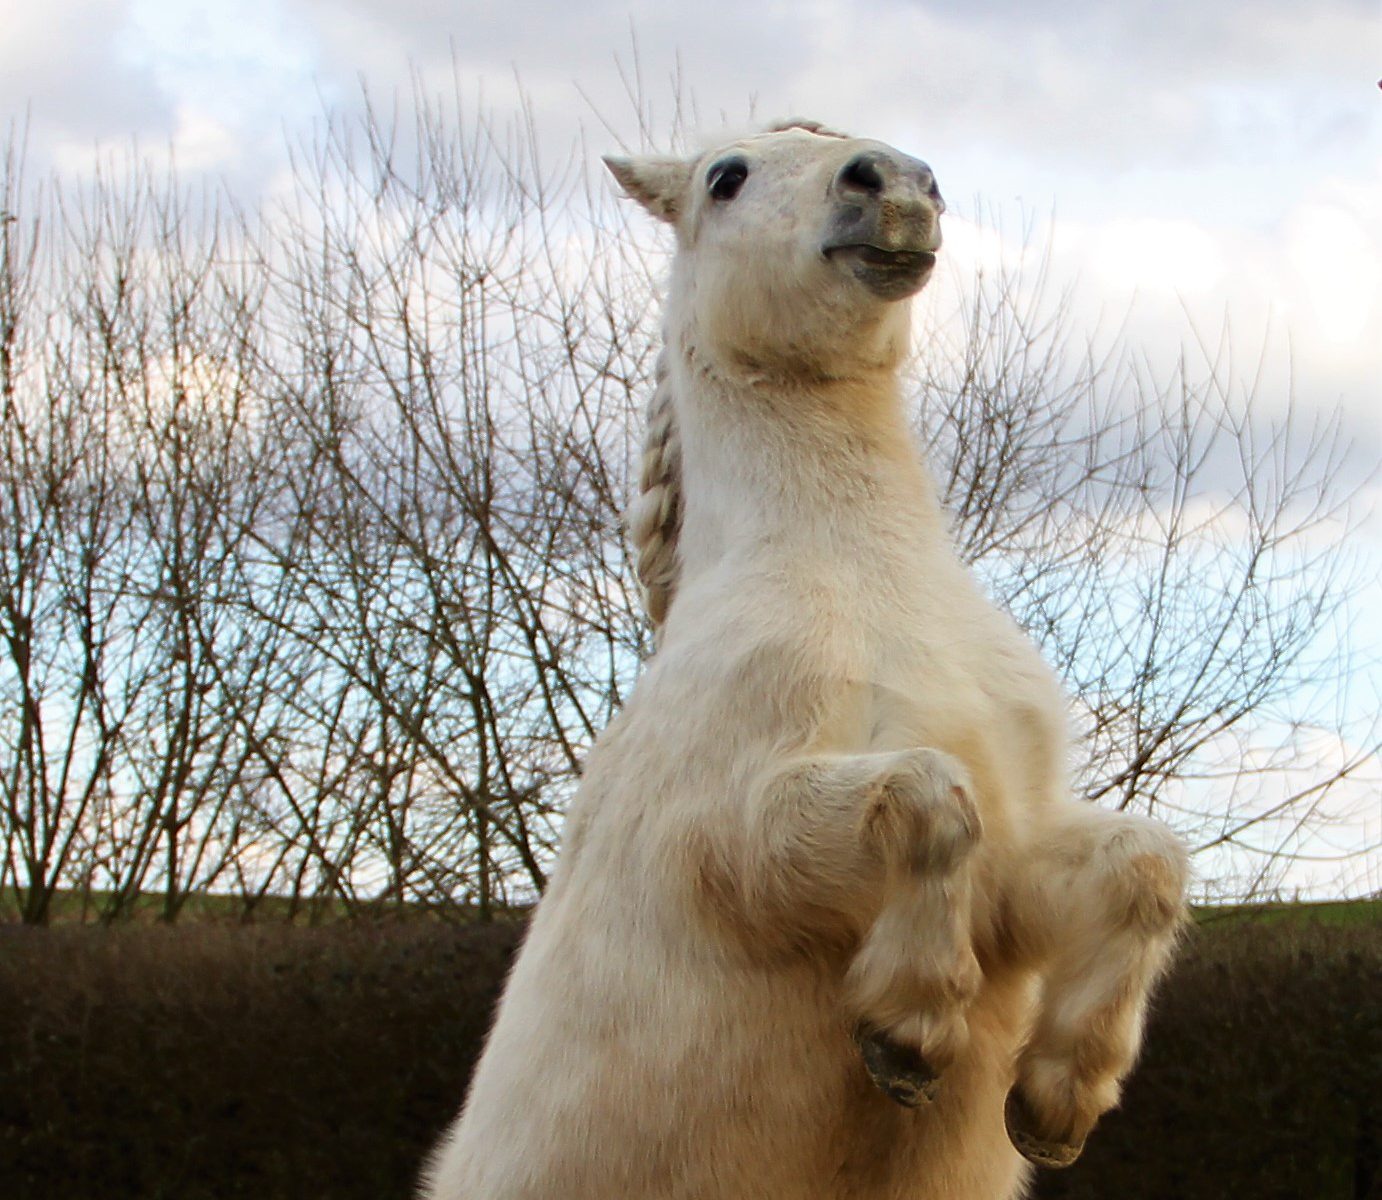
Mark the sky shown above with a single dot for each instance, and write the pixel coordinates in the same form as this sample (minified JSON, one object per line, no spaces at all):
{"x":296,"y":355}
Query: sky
{"x":1193,"y":164}
{"x":1203,"y":158}
{"x":1210,"y":157}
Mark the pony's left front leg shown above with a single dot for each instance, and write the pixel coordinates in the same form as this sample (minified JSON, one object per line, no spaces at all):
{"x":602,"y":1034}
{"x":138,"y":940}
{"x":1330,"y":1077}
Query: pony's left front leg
{"x":1097,"y":909}
{"x":914,"y":977}
{"x":885,"y":840}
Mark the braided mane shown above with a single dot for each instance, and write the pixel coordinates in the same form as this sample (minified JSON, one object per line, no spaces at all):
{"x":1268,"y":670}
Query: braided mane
{"x":655,"y":516}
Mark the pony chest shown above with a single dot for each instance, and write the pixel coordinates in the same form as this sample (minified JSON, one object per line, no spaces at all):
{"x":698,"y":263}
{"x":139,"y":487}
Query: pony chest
{"x":916,"y":691}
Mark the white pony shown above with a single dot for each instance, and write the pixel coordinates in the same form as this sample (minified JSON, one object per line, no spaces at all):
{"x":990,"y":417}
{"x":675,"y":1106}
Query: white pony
{"x":826,"y":922}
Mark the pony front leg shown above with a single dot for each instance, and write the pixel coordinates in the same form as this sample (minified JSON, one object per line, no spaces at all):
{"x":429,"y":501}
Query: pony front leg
{"x":913,"y":979}
{"x":1099,"y":908}
{"x":885,"y":839}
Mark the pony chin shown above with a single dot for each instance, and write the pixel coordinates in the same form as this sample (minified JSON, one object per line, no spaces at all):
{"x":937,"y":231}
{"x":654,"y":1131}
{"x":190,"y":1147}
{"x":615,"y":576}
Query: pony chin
{"x":841,"y":332}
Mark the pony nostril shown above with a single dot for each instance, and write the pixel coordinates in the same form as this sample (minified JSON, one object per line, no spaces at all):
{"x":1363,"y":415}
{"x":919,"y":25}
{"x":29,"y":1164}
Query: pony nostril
{"x":926,"y":181}
{"x":863,"y":174}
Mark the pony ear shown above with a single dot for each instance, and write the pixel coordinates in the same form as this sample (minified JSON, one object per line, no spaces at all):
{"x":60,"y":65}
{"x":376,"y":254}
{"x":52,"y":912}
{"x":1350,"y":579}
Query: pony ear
{"x":657,"y":182}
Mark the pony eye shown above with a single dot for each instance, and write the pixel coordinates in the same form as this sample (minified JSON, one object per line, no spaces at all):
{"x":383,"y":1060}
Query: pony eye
{"x":726,"y":177}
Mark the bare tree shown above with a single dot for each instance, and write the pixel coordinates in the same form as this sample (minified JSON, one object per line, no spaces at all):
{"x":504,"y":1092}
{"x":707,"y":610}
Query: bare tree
{"x":312,"y":583}
{"x":1184,"y":562}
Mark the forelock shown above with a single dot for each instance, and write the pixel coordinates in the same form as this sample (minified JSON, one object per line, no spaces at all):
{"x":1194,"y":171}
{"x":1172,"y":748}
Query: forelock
{"x":809,"y":126}
{"x":723,"y":137}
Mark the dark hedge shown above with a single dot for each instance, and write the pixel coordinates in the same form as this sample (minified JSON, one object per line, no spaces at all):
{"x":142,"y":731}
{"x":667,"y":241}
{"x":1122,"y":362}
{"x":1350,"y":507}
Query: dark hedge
{"x":1261,"y":1076}
{"x":205,"y":1062}
{"x":209,"y":1062}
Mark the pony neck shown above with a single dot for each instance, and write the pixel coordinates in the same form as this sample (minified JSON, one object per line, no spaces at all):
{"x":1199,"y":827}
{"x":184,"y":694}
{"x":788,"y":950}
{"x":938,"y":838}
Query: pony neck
{"x":823,"y":464}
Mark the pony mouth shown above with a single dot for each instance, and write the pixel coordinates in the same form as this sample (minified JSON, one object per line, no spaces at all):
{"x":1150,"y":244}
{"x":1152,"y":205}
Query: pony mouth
{"x":888,"y":274}
{"x":878,"y":256}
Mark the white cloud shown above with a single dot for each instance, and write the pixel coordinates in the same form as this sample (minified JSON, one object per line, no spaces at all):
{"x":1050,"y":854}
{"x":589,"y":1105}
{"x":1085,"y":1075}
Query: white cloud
{"x":1339,"y":266}
{"x":57,"y":63}
{"x":1157,"y":255}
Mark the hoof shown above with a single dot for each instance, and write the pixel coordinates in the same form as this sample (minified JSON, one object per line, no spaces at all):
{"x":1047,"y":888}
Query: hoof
{"x":1022,"y":1124}
{"x":898,"y":1071}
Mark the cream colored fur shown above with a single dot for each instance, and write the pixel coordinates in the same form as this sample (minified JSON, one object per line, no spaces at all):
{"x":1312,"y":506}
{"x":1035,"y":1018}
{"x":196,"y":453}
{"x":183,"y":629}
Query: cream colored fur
{"x":837,"y":794}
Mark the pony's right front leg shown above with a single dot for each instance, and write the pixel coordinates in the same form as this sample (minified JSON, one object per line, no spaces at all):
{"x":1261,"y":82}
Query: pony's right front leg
{"x":884,"y":839}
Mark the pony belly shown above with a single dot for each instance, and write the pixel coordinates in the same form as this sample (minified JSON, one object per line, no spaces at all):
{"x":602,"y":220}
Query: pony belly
{"x":955,"y":1148}
{"x":737,"y":1085}
{"x":717,"y":1094}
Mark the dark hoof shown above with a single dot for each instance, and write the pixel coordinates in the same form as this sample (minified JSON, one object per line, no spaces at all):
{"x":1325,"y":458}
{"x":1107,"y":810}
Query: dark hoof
{"x":1043,"y":1151}
{"x":899,"y":1071}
